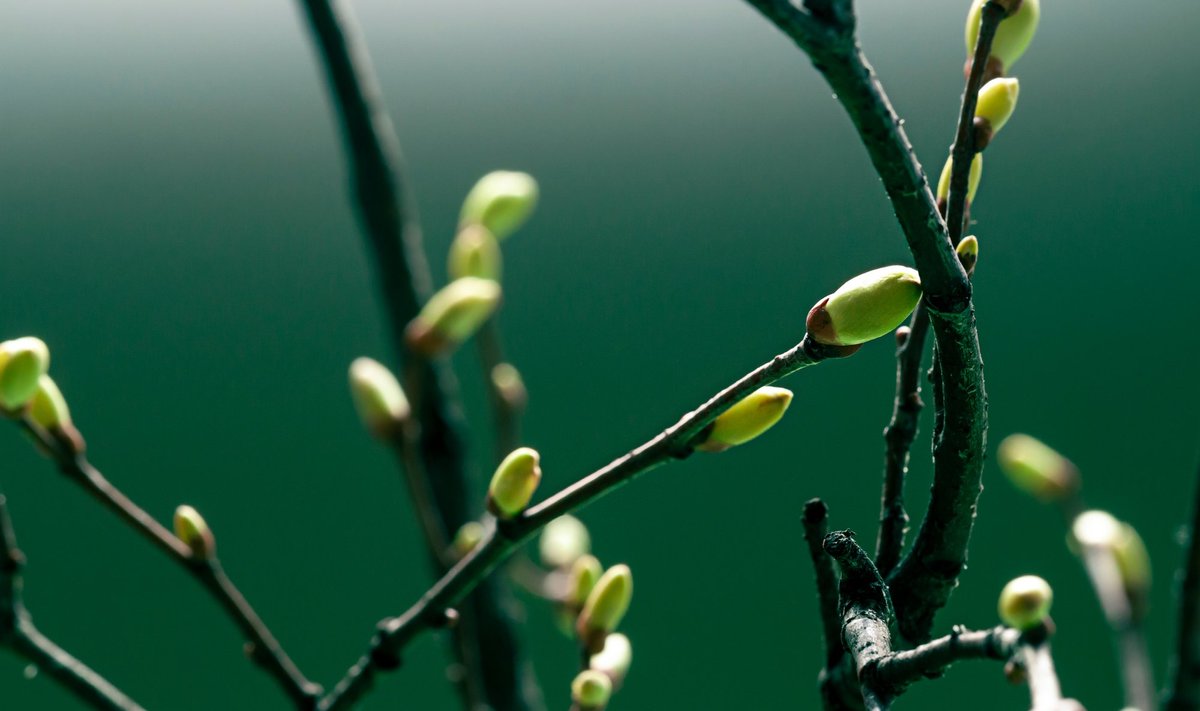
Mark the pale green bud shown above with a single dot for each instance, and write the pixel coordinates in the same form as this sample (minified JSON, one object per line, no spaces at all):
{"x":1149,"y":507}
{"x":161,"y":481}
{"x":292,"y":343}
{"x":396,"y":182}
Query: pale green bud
{"x":968,"y":253}
{"x":973,"y":177}
{"x":1037,"y":469}
{"x":585,"y":571}
{"x":468,"y":537}
{"x":614,"y":660}
{"x":378,"y":397}
{"x":591,"y":690}
{"x":605,"y":606}
{"x":48,"y":407}
{"x":1132,"y":559}
{"x":563,"y":541}
{"x":997,"y":101}
{"x":453,"y":315}
{"x":1012,"y":36}
{"x":501,"y":201}
{"x":508,"y":382}
{"x":868,"y":306}
{"x":475,"y":252}
{"x":1025,"y":602}
{"x":22,"y":362}
{"x":191,"y":528}
{"x":1098,"y":529}
{"x":514,"y":482}
{"x":750,"y":417}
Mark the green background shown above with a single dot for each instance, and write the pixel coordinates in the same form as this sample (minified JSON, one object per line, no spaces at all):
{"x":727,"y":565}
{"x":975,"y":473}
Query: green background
{"x":174,"y":223}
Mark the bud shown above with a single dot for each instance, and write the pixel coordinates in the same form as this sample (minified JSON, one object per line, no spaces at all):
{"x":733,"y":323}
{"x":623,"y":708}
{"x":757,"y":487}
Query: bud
{"x":868,"y":306}
{"x":997,"y":101}
{"x":48,"y":407}
{"x":605,"y":606}
{"x":584,"y":573}
{"x":1025,"y":602}
{"x":968,"y":253}
{"x":1037,"y":469}
{"x":467,"y":538}
{"x":506,"y":379}
{"x":22,"y":362}
{"x":973,"y":177}
{"x":514,"y":482}
{"x":1012,"y":36}
{"x":563,"y":541}
{"x":452,"y":315}
{"x":378,"y":397}
{"x":591,"y":690}
{"x":501,"y":201}
{"x":194,"y":532}
{"x":1096,"y":528}
{"x":475,"y":252}
{"x":1132,"y":559}
{"x":748,"y":418}
{"x":614,"y":659}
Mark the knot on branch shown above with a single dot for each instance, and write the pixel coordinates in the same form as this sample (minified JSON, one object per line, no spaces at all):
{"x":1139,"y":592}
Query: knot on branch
{"x":862,"y":587}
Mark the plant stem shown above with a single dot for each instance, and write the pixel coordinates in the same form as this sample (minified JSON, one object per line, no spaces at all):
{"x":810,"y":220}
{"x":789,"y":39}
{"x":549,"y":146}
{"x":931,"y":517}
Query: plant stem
{"x":816,"y":527}
{"x":1184,"y":694}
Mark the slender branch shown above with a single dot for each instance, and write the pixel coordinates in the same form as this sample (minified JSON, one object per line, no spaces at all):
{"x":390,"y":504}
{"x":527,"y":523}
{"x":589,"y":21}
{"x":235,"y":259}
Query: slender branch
{"x":1045,"y":694}
{"x":506,"y":406}
{"x":1184,"y":693}
{"x":816,"y":526}
{"x":503,"y":538}
{"x":18,"y":633}
{"x":932,"y":658}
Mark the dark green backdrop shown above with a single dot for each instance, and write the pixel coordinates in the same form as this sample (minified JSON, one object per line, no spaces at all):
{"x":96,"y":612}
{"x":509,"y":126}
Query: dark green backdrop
{"x":174,"y":222}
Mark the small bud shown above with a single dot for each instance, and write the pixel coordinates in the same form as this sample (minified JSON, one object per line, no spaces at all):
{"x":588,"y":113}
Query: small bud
{"x":453,"y":315}
{"x":508,"y":382}
{"x":591,"y":690}
{"x":1025,"y":602}
{"x":614,"y":659}
{"x":22,"y":362}
{"x":194,"y":532}
{"x":584,"y":573}
{"x":968,"y":253}
{"x":1037,"y":469}
{"x":514,"y":482}
{"x":973,"y":178}
{"x":475,"y":252}
{"x":1012,"y":36}
{"x":605,"y":606}
{"x":748,"y":418}
{"x":378,"y":397}
{"x":467,"y":538}
{"x":48,"y":407}
{"x":1132,"y":559}
{"x":868,"y":306}
{"x":997,"y":101}
{"x":501,"y":201}
{"x":563,"y":541}
{"x":1096,"y":528}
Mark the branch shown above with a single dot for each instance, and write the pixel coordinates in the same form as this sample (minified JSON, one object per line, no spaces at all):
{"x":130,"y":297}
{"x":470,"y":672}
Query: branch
{"x":507,"y":406}
{"x":816,"y":526}
{"x":19,"y":634}
{"x":866,"y":610}
{"x":501,"y":539}
{"x":1184,"y":693}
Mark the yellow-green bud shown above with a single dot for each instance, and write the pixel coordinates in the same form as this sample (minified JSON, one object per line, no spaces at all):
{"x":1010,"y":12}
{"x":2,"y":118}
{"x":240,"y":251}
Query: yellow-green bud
{"x":1012,"y":36}
{"x":514,"y":482}
{"x":1098,"y":529}
{"x":22,"y":362}
{"x":501,"y":201}
{"x":563,"y":541}
{"x":452,"y":315}
{"x":614,"y":659}
{"x":48,"y":407}
{"x":508,"y":382}
{"x":997,"y":101}
{"x":1132,"y":559}
{"x":469,"y":535}
{"x":378,"y":397}
{"x":750,"y":417}
{"x":1025,"y":602}
{"x":475,"y":252}
{"x":868,"y":306}
{"x":605,"y":606}
{"x":591,"y":690}
{"x":973,"y":178}
{"x":968,"y":253}
{"x":194,"y":532}
{"x":584,"y":573}
{"x":1037,"y":469}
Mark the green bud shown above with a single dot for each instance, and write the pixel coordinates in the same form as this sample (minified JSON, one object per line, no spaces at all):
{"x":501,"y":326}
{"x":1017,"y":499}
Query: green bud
{"x":1012,"y":36}
{"x":973,"y":178}
{"x":750,"y":417}
{"x":194,"y":532}
{"x":584,"y":573}
{"x":997,"y":101}
{"x":868,"y":306}
{"x":1037,"y":469}
{"x":1098,"y":529}
{"x":475,"y":252}
{"x":453,"y":315}
{"x":1132,"y":559}
{"x":563,"y":541}
{"x":48,"y":407}
{"x":968,"y":253}
{"x":378,"y":397}
{"x":514,"y":482}
{"x":605,"y":606}
{"x":468,"y":537}
{"x":22,"y":362}
{"x":591,"y":690}
{"x":1025,"y":602}
{"x":501,"y":201}
{"x":614,"y":659}
{"x":507,"y":381}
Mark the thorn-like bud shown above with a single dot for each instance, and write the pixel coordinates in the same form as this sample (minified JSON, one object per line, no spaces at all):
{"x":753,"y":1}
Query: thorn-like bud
{"x":514,"y":482}
{"x":868,"y":306}
{"x":191,"y":528}
{"x":453,"y":315}
{"x":973,"y":178}
{"x":614,"y":660}
{"x":501,"y":201}
{"x":584,"y":573}
{"x":750,"y":417}
{"x":22,"y":362}
{"x":968,"y":253}
{"x":508,"y":382}
{"x":1037,"y":469}
{"x":468,"y":537}
{"x":997,"y":101}
{"x":605,"y":606}
{"x":475,"y":252}
{"x":563,"y":541}
{"x":1012,"y":36}
{"x":378,"y":398}
{"x":1025,"y":602}
{"x":591,"y":690}
{"x":48,"y":407}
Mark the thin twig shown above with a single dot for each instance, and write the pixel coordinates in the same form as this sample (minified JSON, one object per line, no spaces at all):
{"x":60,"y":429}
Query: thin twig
{"x":506,"y":412}
{"x":816,"y":520}
{"x":1184,"y":694}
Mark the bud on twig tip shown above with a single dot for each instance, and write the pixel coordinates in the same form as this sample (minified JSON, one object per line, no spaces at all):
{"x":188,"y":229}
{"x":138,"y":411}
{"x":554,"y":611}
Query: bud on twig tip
{"x":378,"y":398}
{"x":23,"y":361}
{"x":452,"y":315}
{"x":1037,"y":469}
{"x":191,"y":528}
{"x":868,"y":306}
{"x":1025,"y":602}
{"x":501,"y":201}
{"x":591,"y":690}
{"x":563,"y":541}
{"x":514,"y":482}
{"x":605,"y":607}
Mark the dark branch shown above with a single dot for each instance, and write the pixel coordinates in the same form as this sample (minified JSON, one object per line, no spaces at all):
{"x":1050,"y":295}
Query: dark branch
{"x":816,"y":518}
{"x":866,"y":610}
{"x":1185,"y":683}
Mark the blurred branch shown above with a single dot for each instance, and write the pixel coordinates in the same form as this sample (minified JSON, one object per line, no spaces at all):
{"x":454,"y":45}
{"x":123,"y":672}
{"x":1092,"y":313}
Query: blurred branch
{"x":507,"y":405}
{"x":1184,"y":693}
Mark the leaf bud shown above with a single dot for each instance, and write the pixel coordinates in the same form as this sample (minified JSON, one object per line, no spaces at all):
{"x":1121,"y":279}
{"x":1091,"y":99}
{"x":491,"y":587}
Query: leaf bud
{"x":1099,"y":529}
{"x":378,"y":398}
{"x":501,"y":201}
{"x":591,"y":690}
{"x":23,"y":361}
{"x":1025,"y":602}
{"x":1132,"y":559}
{"x":514,"y":482}
{"x":748,"y":418}
{"x":475,"y":252}
{"x":453,"y":315}
{"x":563,"y":541}
{"x":507,"y":381}
{"x":614,"y":659}
{"x":191,"y":528}
{"x":997,"y":101}
{"x":605,"y":606}
{"x":1037,"y":469}
{"x":868,"y":306}
{"x":584,"y":573}
{"x":973,"y":178}
{"x":48,"y":407}
{"x":968,"y":253}
{"x":1013,"y":35}
{"x":468,"y":537}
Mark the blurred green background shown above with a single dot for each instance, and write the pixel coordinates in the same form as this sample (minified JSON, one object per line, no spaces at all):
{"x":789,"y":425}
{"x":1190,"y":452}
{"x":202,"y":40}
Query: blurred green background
{"x":175,"y":224}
